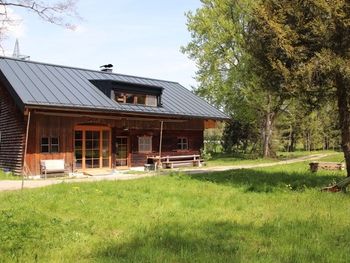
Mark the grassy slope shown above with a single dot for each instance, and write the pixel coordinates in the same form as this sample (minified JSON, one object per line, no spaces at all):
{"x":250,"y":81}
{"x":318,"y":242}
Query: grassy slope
{"x":275,"y":214}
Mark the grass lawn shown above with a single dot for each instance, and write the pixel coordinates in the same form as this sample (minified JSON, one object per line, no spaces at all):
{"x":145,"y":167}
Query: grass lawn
{"x":274,"y":214}
{"x":4,"y":176}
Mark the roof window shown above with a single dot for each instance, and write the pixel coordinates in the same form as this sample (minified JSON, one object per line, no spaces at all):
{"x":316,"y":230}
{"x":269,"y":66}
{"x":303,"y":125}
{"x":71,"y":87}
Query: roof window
{"x":130,"y":93}
{"x":139,"y":99}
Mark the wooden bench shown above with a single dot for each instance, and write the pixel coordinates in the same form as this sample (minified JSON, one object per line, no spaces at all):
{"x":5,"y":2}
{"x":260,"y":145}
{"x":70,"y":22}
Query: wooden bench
{"x":315,"y":166}
{"x":52,"y":166}
{"x":181,"y":160}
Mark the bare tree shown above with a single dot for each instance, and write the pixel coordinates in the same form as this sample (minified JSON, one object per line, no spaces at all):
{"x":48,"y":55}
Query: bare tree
{"x":60,"y":12}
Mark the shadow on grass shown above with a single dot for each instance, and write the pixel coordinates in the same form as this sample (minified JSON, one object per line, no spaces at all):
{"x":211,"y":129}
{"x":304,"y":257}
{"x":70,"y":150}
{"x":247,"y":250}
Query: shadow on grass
{"x":173,"y":242}
{"x":268,"y":181}
{"x":225,"y":241}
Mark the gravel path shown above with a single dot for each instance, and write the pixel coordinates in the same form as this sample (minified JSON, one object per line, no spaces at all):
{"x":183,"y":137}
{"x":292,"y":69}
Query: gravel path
{"x":11,"y":185}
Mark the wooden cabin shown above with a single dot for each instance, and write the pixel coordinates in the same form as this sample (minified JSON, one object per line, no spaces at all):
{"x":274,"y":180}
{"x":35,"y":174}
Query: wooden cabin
{"x":94,"y":119}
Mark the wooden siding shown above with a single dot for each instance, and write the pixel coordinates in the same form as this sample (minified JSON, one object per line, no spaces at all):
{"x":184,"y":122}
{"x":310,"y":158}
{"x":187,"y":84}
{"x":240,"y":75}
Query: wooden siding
{"x":63,"y":127}
{"x":169,"y":144}
{"x":12,"y":128}
{"x":49,"y":126}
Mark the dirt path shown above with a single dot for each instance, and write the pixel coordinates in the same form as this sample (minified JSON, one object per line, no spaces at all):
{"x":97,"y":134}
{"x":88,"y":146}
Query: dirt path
{"x":249,"y":166}
{"x":11,"y":185}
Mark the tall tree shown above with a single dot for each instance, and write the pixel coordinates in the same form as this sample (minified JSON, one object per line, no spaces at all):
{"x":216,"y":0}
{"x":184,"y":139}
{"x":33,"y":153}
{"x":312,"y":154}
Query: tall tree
{"x":233,"y":72}
{"x":310,"y":45}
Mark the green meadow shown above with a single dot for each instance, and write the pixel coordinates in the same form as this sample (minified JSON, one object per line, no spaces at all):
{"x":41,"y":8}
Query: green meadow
{"x":274,"y":214}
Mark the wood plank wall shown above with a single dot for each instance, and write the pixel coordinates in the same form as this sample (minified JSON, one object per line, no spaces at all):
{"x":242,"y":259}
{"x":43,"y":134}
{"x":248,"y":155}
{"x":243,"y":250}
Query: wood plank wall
{"x":49,"y":126}
{"x":63,"y":127}
{"x":169,"y":144}
{"x":12,"y":128}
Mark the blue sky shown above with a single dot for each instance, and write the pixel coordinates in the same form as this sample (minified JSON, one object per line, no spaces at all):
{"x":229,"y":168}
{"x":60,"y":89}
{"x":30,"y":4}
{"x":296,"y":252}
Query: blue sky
{"x":138,"y":37}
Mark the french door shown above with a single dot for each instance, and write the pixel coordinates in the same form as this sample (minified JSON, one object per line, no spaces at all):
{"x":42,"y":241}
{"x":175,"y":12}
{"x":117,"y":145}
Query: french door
{"x":92,"y":147}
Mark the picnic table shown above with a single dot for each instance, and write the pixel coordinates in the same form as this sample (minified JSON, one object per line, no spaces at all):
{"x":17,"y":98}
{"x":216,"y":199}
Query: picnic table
{"x":176,"y":160}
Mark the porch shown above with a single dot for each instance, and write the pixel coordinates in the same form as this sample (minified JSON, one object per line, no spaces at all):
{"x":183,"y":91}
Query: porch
{"x":103,"y":144}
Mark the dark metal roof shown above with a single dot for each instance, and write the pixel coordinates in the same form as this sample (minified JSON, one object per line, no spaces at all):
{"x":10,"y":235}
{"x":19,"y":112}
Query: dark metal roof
{"x":40,"y":84}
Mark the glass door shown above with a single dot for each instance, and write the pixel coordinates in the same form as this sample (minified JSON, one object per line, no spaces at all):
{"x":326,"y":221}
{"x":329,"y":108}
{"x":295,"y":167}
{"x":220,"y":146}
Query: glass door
{"x":92,"y":147}
{"x":78,"y":149}
{"x":121,"y":151}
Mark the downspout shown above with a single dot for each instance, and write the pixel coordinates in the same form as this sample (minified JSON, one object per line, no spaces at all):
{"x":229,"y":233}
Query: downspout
{"x":25,"y":150}
{"x":160,"y":144}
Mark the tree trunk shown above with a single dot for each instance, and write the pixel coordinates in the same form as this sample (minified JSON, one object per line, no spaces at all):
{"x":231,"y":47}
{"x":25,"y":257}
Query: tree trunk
{"x":290,"y":138}
{"x":268,"y":128}
{"x":343,"y":94}
{"x":293,"y":142}
{"x":326,"y":143}
{"x":267,"y":134}
{"x":307,"y":145}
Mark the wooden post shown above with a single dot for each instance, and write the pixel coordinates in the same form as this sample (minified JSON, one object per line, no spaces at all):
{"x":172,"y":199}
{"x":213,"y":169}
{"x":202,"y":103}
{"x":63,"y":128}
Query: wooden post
{"x":160,"y":144}
{"x":25,"y":150}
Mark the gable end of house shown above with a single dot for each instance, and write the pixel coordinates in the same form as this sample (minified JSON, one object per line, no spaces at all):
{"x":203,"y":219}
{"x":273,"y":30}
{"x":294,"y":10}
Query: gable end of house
{"x":12,"y":130}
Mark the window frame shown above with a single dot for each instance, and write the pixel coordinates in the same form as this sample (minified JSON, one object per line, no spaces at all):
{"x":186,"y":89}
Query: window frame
{"x":150,"y":144}
{"x":54,"y":144}
{"x":180,"y":145}
{"x":45,"y":144}
{"x":49,"y":144}
{"x":147,"y":102}
{"x":121,"y":97}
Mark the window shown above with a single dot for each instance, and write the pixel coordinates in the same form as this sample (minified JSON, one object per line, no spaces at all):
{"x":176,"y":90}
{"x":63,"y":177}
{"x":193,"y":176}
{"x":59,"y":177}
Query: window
{"x":145,"y":144}
{"x":120,"y":98}
{"x":182,"y":143}
{"x":49,"y":145}
{"x":141,"y":99}
{"x":45,"y":145}
{"x":54,"y":145}
{"x":151,"y":100}
{"x":148,"y":100}
{"x":130,"y":98}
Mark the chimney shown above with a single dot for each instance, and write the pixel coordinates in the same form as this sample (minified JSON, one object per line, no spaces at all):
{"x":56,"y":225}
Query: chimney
{"x":107,"y":68}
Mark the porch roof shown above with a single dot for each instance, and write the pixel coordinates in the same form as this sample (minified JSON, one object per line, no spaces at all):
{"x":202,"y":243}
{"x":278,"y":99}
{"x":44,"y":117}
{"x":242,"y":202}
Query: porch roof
{"x":41,"y":84}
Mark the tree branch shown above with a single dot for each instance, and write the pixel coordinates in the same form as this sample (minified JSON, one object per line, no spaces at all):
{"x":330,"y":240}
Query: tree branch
{"x":52,"y":13}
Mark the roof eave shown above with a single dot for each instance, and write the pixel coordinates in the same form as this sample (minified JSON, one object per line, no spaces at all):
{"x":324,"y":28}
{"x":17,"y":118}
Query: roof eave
{"x":122,"y":112}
